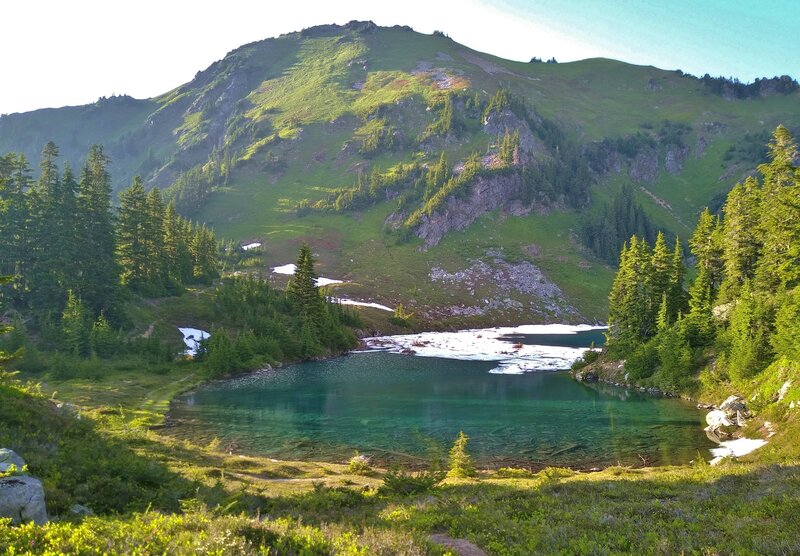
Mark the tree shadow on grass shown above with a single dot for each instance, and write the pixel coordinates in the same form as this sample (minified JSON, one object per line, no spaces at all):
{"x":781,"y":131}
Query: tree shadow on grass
{"x":79,"y":464}
{"x":740,"y":508}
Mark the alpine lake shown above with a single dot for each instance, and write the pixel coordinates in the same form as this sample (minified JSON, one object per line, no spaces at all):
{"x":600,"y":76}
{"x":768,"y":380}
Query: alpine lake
{"x":407,"y":409}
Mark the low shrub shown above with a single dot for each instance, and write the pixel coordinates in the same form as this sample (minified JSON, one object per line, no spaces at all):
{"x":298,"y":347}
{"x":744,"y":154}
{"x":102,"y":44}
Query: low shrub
{"x":359,"y":464}
{"x":398,"y":481}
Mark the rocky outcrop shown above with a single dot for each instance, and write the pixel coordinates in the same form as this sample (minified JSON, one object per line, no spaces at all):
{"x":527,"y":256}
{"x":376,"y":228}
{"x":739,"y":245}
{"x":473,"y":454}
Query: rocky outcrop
{"x":674,"y":157}
{"x":496,"y":124}
{"x":586,"y":376}
{"x":21,"y":497}
{"x":644,"y":167}
{"x":9,"y":458}
{"x":486,"y":194}
{"x":507,"y":281}
{"x":724,"y":422}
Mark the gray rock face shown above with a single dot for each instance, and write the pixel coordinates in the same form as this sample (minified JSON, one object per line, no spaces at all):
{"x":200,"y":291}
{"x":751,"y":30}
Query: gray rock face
{"x":22,"y":499}
{"x":674,"y":157}
{"x":9,"y":458}
{"x":487,"y":194}
{"x":645,"y":166}
{"x":497,"y":123}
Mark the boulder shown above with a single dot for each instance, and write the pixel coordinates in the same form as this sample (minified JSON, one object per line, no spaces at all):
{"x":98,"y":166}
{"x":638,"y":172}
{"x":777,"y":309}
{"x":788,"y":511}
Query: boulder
{"x":586,"y":376}
{"x":734,"y":405}
{"x":81,"y":510}
{"x":22,"y":499}
{"x":9,"y":458}
{"x":717,"y":418}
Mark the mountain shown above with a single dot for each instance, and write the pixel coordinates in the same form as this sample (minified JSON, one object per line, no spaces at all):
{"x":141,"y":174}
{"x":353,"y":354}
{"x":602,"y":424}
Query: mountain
{"x":334,"y":136}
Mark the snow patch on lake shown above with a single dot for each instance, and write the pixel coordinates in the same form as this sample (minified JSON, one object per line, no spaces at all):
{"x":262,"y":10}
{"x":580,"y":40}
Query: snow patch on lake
{"x":489,"y":344}
{"x":192,"y":338}
{"x":735,"y":448}
{"x":289,"y":270}
{"x":343,"y":301}
{"x":250,"y":246}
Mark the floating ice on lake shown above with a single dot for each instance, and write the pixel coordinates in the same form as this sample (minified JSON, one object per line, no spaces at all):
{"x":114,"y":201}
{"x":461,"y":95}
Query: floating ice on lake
{"x":489,"y":344}
{"x":250,"y":246}
{"x":192,"y":338}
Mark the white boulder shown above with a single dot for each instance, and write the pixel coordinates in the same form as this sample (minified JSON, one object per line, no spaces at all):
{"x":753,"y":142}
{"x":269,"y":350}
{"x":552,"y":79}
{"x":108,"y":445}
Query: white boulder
{"x":716,"y":419}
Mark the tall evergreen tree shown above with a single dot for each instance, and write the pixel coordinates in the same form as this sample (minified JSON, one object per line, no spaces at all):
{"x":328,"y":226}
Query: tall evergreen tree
{"x":676,"y":299}
{"x":303,"y":286}
{"x":156,"y":270}
{"x":95,"y":259}
{"x":132,"y":248}
{"x":706,"y":247}
{"x":779,"y":265}
{"x":51,"y":229}
{"x":204,"y":252}
{"x":741,"y":238}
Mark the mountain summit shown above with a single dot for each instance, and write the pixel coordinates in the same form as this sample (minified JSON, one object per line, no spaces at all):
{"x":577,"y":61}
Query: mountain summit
{"x":422,"y":172}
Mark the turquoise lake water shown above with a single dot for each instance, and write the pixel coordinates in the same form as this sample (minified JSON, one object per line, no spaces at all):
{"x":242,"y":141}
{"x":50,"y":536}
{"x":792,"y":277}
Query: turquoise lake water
{"x":399,"y":408}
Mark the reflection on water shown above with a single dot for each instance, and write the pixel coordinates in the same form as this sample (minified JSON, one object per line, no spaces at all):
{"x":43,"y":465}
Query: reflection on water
{"x":400,"y":408}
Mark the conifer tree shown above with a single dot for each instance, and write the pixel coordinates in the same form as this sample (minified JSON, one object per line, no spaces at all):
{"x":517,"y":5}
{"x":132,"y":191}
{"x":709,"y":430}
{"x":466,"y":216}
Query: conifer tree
{"x":50,"y":227}
{"x":15,"y":174}
{"x":103,"y":337}
{"x":779,"y":265}
{"x":75,"y":326}
{"x":204,"y":252}
{"x":741,"y":246}
{"x":461,"y":465}
{"x":303,"y":287}
{"x":95,"y":259}
{"x":676,"y":298}
{"x":154,"y":241}
{"x":706,"y":246}
{"x":132,"y":246}
{"x":632,"y":309}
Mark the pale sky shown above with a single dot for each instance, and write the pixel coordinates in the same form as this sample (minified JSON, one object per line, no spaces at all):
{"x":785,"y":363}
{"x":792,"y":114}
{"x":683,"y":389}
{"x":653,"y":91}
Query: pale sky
{"x":58,"y":52}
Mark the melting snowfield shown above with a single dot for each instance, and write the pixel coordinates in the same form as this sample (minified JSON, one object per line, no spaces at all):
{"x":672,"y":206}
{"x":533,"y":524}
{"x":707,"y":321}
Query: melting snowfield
{"x":735,"y":448}
{"x":288,"y":269}
{"x":343,"y":301}
{"x":249,"y":246}
{"x":192,"y":338}
{"x":489,"y":344}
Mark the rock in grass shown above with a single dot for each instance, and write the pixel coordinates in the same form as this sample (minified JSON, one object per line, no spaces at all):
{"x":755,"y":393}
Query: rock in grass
{"x":734,"y":405}
{"x":22,"y":499}
{"x":9,"y":458}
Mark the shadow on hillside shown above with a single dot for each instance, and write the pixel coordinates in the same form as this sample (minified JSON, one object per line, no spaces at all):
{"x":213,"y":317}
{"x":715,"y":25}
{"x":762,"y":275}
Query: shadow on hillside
{"x":79,"y":464}
{"x":737,"y":509}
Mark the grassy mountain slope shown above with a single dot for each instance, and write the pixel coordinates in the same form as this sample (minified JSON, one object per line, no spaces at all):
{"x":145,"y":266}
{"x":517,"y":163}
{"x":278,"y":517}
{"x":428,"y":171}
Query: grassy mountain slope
{"x":287,"y":120}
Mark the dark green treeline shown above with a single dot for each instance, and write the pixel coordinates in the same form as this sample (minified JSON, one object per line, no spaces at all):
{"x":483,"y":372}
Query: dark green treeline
{"x":62,"y":240}
{"x":742,"y":309}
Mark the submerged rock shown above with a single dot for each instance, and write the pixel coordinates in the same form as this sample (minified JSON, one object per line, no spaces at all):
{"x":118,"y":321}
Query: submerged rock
{"x":22,"y":499}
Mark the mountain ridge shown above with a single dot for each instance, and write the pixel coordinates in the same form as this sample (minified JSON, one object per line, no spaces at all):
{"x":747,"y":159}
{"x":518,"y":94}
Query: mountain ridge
{"x":256,"y":142}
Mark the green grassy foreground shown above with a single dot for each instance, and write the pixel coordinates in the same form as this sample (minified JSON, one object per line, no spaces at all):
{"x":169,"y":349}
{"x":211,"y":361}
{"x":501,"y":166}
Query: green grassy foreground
{"x":153,"y":494}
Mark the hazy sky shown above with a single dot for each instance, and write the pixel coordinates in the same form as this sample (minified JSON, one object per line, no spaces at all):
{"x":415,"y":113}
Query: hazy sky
{"x":57,"y":52}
